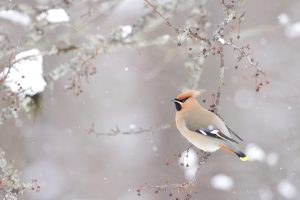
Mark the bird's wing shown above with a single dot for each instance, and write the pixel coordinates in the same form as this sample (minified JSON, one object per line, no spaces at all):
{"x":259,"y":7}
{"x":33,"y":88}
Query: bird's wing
{"x":230,"y":130}
{"x":210,"y":125}
{"x":215,"y":133}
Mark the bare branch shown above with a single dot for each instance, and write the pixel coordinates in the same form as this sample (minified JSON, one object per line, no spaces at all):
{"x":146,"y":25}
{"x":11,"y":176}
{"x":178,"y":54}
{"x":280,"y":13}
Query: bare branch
{"x":184,"y":187}
{"x":134,"y":131}
{"x":221,"y":80}
{"x":246,"y":55}
{"x":154,"y":8}
{"x":10,"y":182}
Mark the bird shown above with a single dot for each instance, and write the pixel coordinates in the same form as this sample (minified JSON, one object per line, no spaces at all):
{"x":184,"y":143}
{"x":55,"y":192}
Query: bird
{"x":203,"y":128}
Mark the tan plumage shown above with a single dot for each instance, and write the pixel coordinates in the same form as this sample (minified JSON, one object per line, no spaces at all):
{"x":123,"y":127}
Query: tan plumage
{"x":201,"y":127}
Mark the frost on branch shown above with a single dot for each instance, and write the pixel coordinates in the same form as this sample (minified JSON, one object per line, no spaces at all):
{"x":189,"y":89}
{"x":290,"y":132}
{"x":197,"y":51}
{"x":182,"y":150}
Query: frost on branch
{"x":11,"y":186}
{"x":55,"y":15}
{"x":15,"y":17}
{"x":22,"y":81}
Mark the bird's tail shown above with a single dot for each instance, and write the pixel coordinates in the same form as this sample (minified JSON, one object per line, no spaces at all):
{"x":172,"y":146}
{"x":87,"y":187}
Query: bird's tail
{"x":239,"y":153}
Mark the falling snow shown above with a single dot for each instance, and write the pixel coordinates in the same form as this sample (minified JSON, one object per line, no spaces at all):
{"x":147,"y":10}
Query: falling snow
{"x":265,"y":194}
{"x":283,"y":19}
{"x":222,"y":182}
{"x":287,"y":189}
{"x":255,"y":153}
{"x":293,"y":30}
{"x":272,"y":159}
{"x":132,"y":126}
{"x":154,"y":148}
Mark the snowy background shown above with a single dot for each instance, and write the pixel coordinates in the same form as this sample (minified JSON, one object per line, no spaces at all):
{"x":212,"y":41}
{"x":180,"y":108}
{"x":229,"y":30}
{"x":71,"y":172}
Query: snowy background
{"x":133,"y":87}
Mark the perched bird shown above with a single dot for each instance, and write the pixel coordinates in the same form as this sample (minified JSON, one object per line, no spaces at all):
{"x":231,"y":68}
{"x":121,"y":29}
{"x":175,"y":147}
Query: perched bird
{"x":203,"y":128}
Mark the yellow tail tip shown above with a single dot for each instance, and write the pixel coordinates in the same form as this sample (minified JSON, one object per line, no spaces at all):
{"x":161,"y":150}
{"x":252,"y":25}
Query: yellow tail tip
{"x":244,"y":158}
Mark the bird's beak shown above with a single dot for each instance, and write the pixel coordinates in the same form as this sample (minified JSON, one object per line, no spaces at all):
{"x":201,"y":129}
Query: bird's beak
{"x":175,"y":100}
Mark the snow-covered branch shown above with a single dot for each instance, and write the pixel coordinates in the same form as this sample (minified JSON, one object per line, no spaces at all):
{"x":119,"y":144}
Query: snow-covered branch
{"x":11,"y":186}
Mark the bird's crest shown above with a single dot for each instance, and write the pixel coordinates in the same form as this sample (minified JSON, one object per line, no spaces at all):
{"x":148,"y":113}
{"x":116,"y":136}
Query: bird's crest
{"x":188,"y":94}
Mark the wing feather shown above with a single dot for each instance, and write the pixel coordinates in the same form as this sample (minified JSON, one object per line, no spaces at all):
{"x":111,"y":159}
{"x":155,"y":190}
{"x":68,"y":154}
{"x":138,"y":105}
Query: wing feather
{"x":215,"y":133}
{"x":230,"y":130}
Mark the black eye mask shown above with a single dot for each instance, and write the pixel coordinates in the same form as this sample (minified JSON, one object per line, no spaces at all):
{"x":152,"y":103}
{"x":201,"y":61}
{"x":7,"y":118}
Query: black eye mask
{"x":178,"y":105}
{"x":182,"y":100}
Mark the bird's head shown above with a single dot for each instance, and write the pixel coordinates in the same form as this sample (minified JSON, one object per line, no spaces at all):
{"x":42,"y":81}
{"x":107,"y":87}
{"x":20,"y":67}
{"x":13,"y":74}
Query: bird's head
{"x":186,"y":99}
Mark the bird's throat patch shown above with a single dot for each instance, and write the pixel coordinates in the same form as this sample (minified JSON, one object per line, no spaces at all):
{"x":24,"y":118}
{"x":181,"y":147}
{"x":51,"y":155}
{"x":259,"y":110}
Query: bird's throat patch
{"x":178,"y":106}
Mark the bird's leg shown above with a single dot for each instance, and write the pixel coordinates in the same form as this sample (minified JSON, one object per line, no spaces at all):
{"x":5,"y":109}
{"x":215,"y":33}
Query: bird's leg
{"x":203,"y":158}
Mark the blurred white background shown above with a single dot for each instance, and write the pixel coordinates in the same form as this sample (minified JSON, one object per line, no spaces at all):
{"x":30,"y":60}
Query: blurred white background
{"x":133,"y":87}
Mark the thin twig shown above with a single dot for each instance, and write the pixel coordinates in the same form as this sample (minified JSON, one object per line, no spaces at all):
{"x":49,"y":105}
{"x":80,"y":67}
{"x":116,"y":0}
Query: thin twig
{"x":179,"y":187}
{"x":221,"y":79}
{"x":154,"y":8}
{"x":117,"y":131}
{"x":246,"y":55}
